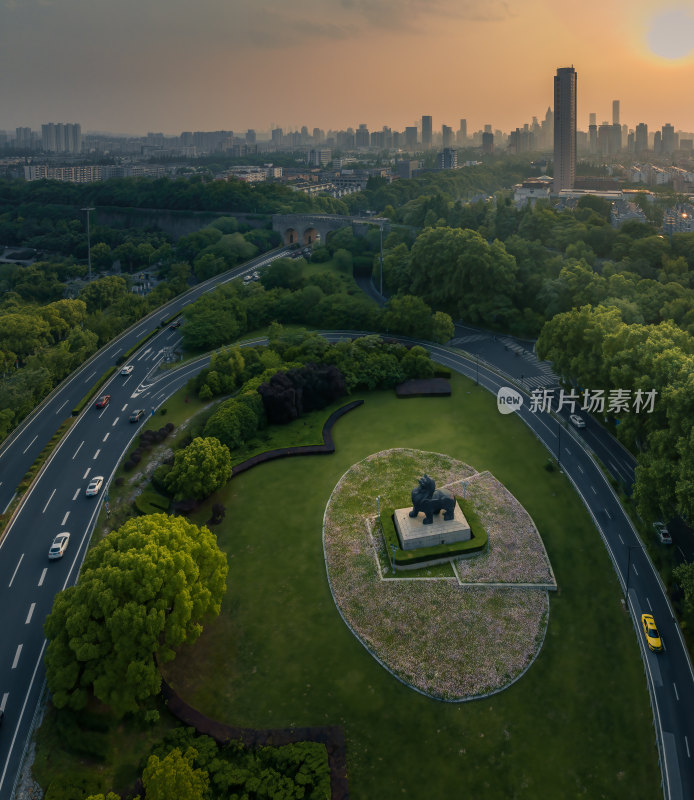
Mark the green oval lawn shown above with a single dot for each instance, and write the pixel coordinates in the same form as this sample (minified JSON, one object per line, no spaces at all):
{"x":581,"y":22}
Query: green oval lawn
{"x":578,"y":724}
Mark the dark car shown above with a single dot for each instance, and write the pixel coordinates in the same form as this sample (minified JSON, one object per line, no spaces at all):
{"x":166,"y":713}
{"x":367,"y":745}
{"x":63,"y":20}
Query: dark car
{"x":175,"y":325}
{"x":102,"y":402}
{"x":136,"y":416}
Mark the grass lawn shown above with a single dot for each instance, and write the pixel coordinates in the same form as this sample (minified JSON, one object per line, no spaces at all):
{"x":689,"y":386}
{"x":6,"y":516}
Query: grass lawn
{"x":578,"y":723}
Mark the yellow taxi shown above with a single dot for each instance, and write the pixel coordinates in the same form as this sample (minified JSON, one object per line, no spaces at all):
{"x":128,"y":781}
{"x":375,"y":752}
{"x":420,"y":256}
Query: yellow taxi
{"x":652,"y":635}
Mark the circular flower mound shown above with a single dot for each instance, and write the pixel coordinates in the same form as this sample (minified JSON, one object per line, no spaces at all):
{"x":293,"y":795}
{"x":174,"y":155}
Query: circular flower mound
{"x":453,"y":638}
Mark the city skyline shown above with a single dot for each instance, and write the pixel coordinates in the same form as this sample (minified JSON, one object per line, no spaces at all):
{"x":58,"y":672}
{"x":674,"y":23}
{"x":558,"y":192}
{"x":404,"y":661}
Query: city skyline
{"x":170,"y":67}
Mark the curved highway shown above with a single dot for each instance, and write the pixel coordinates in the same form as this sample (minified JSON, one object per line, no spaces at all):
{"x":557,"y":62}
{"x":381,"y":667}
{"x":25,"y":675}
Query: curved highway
{"x":99,"y":438}
{"x":21,"y":448}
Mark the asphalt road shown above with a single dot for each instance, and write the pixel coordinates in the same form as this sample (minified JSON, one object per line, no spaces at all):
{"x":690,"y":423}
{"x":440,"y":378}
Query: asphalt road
{"x":20,"y":449}
{"x":97,"y":442}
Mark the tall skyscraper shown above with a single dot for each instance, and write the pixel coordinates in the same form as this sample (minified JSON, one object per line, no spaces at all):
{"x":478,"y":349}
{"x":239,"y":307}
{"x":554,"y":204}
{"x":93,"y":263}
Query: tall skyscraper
{"x":411,"y":137}
{"x":426,"y":132}
{"x":669,"y":141}
{"x":641,"y":138}
{"x":462,"y":131}
{"x":564,"y":128}
{"x":593,"y":118}
{"x":615,"y":112}
{"x":446,"y":136}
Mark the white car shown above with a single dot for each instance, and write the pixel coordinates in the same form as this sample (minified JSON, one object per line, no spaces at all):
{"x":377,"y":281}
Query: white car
{"x":59,"y":546}
{"x":662,"y":533}
{"x":94,"y":485}
{"x":577,"y":420}
{"x":127,"y":370}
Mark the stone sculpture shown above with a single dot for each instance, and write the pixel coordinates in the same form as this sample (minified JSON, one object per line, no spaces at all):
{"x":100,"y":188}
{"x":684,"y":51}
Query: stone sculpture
{"x":430,"y":500}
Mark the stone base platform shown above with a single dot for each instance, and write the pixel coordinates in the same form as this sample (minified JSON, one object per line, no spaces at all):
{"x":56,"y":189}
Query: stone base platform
{"x":413,"y":533}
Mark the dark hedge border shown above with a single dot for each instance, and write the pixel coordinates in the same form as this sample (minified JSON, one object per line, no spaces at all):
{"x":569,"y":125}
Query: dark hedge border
{"x":326,"y":448}
{"x":90,"y":394}
{"x":332,"y":736}
{"x":424,"y":387}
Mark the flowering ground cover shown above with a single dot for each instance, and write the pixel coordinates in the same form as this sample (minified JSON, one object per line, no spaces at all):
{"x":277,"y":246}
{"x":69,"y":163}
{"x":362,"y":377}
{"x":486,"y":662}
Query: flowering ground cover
{"x":450,"y":641}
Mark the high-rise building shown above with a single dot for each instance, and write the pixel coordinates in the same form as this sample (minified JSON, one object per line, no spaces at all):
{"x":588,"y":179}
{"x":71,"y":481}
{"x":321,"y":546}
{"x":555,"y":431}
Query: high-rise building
{"x":592,"y":137}
{"x":593,"y":118}
{"x":641,"y":138}
{"x":448,"y":159}
{"x":615,"y":138}
{"x":564,"y":128}
{"x":615,"y":112}
{"x":426,"y":132}
{"x":319,"y":157}
{"x":362,"y":137}
{"x":446,"y":136}
{"x":22,"y":139}
{"x":487,"y":142}
{"x":411,"y":137}
{"x":669,"y":142}
{"x":461,"y":133}
{"x":276,"y":136}
{"x":250,"y":136}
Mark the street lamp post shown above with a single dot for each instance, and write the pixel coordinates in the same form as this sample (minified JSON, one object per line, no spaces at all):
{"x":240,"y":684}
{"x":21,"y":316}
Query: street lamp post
{"x":381,"y":259}
{"x":89,"y":244}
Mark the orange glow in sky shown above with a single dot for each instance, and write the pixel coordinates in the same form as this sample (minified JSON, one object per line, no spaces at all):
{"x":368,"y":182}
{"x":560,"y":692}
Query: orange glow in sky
{"x":173,"y":65}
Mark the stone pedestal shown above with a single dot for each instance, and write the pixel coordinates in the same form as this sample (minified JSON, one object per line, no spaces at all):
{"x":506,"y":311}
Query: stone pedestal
{"x":413,"y":533}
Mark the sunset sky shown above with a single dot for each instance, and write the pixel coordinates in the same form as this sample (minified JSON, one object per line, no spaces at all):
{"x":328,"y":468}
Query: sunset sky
{"x":132,"y":66}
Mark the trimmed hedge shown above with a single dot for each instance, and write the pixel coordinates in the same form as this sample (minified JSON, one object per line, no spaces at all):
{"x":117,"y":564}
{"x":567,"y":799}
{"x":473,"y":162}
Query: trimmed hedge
{"x":477,"y":544}
{"x":151,"y":502}
{"x":125,"y":356}
{"x":95,"y":388}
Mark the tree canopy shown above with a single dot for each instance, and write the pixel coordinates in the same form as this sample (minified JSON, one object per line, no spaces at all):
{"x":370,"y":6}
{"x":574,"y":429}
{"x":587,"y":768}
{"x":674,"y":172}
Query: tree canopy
{"x":143,"y":591}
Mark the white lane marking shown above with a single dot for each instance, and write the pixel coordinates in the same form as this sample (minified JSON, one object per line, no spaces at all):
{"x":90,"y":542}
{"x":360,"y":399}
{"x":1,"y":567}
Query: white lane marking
{"x":674,"y":686}
{"x":113,"y":424}
{"x":10,"y":503}
{"x":686,"y":743}
{"x":84,"y":477}
{"x":96,"y":455}
{"x":104,"y":411}
{"x":105,"y":437}
{"x":593,"y":488}
{"x":649,"y":605}
{"x":30,"y":614}
{"x":609,"y":516}
{"x":30,"y":443}
{"x":124,"y":407}
{"x":90,"y":377}
{"x":620,"y":538}
{"x":43,"y":576}
{"x":141,"y":332}
{"x":77,"y":494}
{"x":16,"y":656}
{"x":580,"y":468}
{"x":635,"y":570}
{"x":567,"y":450}
{"x":78,"y":449}
{"x":67,"y":514}
{"x":127,"y":379}
{"x":15,"y":570}
{"x":3,"y":702}
{"x":61,"y":407}
{"x":48,"y":501}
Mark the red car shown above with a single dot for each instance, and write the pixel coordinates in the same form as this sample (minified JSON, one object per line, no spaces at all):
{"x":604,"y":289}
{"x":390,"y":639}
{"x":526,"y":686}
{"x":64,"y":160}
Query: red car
{"x":102,"y":402}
